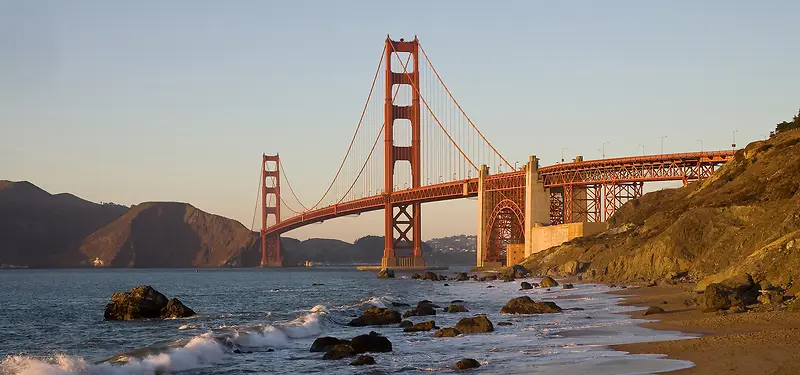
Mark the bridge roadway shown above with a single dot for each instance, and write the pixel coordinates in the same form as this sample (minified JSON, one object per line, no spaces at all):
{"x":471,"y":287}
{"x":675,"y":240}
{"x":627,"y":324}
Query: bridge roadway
{"x":666,"y":167}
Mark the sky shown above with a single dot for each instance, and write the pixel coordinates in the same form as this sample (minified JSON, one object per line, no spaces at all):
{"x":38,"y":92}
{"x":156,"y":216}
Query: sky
{"x":129,"y":102}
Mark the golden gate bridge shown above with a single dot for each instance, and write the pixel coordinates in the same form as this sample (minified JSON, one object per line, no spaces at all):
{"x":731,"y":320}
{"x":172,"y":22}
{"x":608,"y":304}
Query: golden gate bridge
{"x":432,"y":151}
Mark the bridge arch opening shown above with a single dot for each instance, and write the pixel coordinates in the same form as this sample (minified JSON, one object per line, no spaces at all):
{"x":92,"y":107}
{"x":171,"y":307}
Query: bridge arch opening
{"x":505,"y":227}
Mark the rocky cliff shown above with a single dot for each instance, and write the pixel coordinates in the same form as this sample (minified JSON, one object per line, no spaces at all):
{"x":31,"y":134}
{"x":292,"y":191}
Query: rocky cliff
{"x":745,"y":218}
{"x":39,"y":229}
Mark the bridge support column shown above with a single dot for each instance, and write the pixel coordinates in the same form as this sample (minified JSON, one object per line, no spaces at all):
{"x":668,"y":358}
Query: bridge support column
{"x":480,"y":243}
{"x":537,"y":202}
{"x":270,"y":185}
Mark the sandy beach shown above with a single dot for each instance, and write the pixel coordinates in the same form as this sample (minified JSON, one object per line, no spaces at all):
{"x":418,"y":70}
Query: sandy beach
{"x":753,"y":342}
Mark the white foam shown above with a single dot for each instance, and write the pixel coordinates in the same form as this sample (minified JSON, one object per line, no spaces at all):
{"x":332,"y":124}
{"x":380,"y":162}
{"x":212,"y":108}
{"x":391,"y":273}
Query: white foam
{"x":199,"y":352}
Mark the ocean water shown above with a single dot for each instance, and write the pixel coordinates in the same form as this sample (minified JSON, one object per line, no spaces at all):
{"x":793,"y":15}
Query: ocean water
{"x":263,"y":321}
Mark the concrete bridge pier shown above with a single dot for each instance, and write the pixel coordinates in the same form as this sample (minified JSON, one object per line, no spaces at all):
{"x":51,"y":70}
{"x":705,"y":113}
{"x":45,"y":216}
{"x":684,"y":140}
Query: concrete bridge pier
{"x":533,"y":201}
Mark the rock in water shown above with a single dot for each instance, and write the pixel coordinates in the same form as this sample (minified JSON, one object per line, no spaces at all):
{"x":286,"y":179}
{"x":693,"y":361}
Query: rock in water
{"x":654,"y":310}
{"x":421,"y":327}
{"x":339,"y":351}
{"x":455,"y":309}
{"x":385,"y":273}
{"x":467,"y":363}
{"x":525,"y":305}
{"x":525,"y":285}
{"x":502,"y":324}
{"x":406,"y":324}
{"x":376,"y":316}
{"x":462,"y":277}
{"x":363,"y":360}
{"x":323,"y":344}
{"x":416,"y":276}
{"x":372,"y":343}
{"x":430,"y":276}
{"x":176,"y":309}
{"x":477,"y":324}
{"x":507,"y":278}
{"x":142,"y":302}
{"x":568,"y":286}
{"x":548,"y":282}
{"x":423,"y":308}
{"x":447,"y":332}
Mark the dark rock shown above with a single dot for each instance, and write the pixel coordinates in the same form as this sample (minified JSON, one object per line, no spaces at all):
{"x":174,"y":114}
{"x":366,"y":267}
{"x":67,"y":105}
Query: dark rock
{"x":525,"y":285}
{"x":612,"y":286}
{"x":503,"y":324}
{"x":399,"y":304}
{"x":430,"y":276}
{"x":423,"y":308}
{"x":322,"y":344}
{"x":447,"y":332}
{"x":719,"y":297}
{"x":363,"y":360}
{"x":462,"y":277}
{"x":176,"y":309}
{"x":491,"y":277}
{"x":457,"y":301}
{"x":467,"y":363}
{"x":142,"y":302}
{"x":654,"y":310}
{"x":339,"y":351}
{"x":664,"y":303}
{"x":517,"y":271}
{"x":568,"y":286}
{"x":455,"y":309}
{"x":406,"y":324}
{"x":375,"y":316}
{"x":385,"y":273}
{"x":420,"y":327}
{"x":525,"y":305}
{"x":771,"y":296}
{"x":548,"y":282}
{"x":446,"y":284}
{"x":476,"y":324}
{"x":490,"y":286}
{"x":416,"y":276}
{"x":270,"y":350}
{"x":482,"y":278}
{"x":507,"y":278}
{"x":624,"y":287}
{"x":371,"y":343}
{"x":317,"y":284}
{"x":442,"y":277}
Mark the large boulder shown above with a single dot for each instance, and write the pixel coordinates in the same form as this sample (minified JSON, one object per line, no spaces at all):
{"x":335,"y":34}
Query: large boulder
{"x":467,"y":363}
{"x":455,"y":309}
{"x":525,"y":305}
{"x":385,"y":273}
{"x":517,"y":271}
{"x":548,"y":282}
{"x":571,"y":268}
{"x":322,"y":344}
{"x":371,"y":343}
{"x":142,"y":302}
{"x":176,"y":309}
{"x":423,"y":308}
{"x":339,"y":351}
{"x":771,"y":296}
{"x":719,"y":297}
{"x":376,"y":316}
{"x":421,"y":327}
{"x":476,"y":324}
{"x":447,"y":332}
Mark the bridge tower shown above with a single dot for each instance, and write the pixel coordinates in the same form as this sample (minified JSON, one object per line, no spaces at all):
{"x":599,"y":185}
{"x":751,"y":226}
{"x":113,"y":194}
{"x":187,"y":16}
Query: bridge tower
{"x":270,"y":205}
{"x":402,"y":222}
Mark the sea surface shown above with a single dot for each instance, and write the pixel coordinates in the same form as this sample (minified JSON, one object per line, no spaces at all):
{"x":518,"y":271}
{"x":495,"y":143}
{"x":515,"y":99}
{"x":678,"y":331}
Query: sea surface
{"x":263,"y":321}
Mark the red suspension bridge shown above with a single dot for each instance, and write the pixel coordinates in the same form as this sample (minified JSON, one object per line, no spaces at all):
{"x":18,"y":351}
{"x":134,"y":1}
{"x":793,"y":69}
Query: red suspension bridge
{"x":432,"y":151}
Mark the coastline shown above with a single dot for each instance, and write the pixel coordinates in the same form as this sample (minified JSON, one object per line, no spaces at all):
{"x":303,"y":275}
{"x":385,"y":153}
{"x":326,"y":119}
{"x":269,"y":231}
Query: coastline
{"x":762,"y":342}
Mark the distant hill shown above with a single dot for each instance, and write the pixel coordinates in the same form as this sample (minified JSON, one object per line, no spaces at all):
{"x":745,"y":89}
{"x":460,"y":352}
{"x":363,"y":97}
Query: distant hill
{"x":169,"y":234}
{"x":39,"y":229}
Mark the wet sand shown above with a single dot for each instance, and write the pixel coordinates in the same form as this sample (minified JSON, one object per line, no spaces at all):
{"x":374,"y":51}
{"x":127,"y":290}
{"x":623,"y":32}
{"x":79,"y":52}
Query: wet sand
{"x":765,"y":342}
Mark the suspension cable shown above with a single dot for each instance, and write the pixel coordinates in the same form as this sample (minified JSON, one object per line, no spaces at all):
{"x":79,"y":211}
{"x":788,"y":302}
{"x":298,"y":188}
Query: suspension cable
{"x":258,"y":194}
{"x":371,"y":89}
{"x":414,"y":85}
{"x":459,"y":106}
{"x":283,"y":172}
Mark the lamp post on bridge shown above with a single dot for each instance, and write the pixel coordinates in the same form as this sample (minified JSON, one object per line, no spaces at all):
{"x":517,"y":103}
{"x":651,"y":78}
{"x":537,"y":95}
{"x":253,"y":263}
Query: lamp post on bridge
{"x":562,"y":153}
{"x":701,"y":144}
{"x":733,"y":145}
{"x":604,"y":149}
{"x":662,"y":144}
{"x":642,"y":146}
